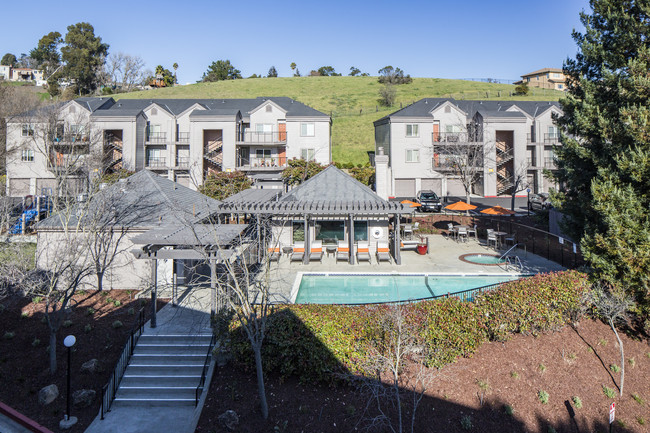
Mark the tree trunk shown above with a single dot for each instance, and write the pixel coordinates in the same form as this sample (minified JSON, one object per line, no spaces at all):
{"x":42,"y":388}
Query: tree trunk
{"x":100,"y":281}
{"x":260,"y":381}
{"x":620,"y":345}
{"x":52,"y":351}
{"x":399,"y":403}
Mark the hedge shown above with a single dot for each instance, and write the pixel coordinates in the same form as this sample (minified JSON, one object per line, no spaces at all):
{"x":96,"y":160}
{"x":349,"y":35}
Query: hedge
{"x":316,"y":342}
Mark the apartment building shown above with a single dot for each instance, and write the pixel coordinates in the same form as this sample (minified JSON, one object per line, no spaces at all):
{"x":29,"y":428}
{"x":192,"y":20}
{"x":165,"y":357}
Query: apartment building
{"x":428,"y":144}
{"x":182,"y":139}
{"x":546,"y":78}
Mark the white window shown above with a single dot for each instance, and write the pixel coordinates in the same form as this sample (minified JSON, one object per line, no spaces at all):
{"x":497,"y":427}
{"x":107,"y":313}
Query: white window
{"x":263,"y":128}
{"x":27,"y":155}
{"x":552,"y":132}
{"x":269,"y":108}
{"x":308,"y":154}
{"x":307,"y":130}
{"x":412,"y":155}
{"x":27,"y":130}
{"x":412,"y":130}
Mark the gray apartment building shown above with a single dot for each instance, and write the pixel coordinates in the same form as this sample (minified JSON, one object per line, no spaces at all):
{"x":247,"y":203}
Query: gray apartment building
{"x":182,"y":139}
{"x":421,"y":146}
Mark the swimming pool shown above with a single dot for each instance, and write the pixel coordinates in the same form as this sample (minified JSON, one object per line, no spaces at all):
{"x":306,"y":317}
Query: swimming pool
{"x":388,"y":287}
{"x":482,"y":259}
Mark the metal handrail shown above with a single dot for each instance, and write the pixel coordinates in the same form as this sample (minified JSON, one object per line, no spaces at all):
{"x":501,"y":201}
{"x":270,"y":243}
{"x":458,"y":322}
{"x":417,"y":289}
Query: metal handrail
{"x":208,"y":356}
{"x":109,"y":390}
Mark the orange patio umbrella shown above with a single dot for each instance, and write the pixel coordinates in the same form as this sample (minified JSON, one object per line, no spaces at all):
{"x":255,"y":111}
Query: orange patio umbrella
{"x":460,"y":206}
{"x":411,"y":203}
{"x":497,"y":210}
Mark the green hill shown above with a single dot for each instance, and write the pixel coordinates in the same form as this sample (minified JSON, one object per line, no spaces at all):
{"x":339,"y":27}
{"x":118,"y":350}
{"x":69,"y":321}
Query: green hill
{"x":351,"y":101}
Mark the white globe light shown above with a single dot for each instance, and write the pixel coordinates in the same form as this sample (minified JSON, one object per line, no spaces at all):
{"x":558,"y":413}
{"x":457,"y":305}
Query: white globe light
{"x":69,"y":341}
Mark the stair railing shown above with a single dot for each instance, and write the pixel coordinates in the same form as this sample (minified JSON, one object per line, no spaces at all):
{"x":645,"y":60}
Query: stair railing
{"x":208,"y":356}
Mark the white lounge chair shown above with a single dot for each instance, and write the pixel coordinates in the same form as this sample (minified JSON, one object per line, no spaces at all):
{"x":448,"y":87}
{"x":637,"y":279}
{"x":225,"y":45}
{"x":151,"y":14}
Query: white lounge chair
{"x":363,"y":251}
{"x":383,"y":252}
{"x":316,"y":251}
{"x":343,"y":251}
{"x":275,"y":252}
{"x":298,"y":251}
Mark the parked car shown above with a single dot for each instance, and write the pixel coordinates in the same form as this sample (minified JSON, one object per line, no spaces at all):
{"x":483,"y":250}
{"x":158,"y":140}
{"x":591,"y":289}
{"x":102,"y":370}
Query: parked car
{"x":539,"y":201}
{"x":429,"y":200}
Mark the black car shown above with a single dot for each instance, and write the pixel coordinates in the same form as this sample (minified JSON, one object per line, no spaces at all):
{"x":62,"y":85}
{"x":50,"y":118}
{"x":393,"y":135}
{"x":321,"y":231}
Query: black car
{"x":539,"y":201}
{"x":430,"y":201}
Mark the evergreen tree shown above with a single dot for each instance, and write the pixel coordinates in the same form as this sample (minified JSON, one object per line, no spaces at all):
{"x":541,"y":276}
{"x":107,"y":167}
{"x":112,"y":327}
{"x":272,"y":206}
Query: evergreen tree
{"x":83,"y":54}
{"x":273,"y":73}
{"x":604,"y":163}
{"x":8,"y":60}
{"x":221,"y":70}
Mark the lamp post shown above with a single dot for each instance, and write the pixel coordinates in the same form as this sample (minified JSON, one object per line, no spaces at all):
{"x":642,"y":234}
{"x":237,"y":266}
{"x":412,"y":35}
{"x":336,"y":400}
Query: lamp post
{"x":68,"y":421}
{"x":528,"y":205}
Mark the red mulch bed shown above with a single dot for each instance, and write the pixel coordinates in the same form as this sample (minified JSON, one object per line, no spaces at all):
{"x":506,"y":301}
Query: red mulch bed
{"x":24,"y":365}
{"x":576,"y":364}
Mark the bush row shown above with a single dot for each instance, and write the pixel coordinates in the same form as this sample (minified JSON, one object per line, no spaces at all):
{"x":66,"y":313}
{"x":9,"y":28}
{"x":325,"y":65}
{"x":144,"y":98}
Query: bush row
{"x":315,"y":342}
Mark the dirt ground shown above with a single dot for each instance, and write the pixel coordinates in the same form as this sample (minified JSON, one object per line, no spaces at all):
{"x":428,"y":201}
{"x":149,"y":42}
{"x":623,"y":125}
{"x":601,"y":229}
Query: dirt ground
{"x":24,"y":360}
{"x":574,"y":362}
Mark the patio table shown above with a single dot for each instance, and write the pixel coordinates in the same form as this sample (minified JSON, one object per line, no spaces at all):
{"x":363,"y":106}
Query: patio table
{"x":287,"y":250}
{"x":330,"y":249}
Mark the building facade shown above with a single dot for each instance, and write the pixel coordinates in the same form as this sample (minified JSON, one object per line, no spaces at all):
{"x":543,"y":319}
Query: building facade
{"x":9,"y":73}
{"x":546,"y":78}
{"x":438,"y":143}
{"x":182,"y":139}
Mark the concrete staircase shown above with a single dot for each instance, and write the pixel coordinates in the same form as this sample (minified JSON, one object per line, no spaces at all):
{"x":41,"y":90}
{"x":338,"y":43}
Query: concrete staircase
{"x":164,"y":371}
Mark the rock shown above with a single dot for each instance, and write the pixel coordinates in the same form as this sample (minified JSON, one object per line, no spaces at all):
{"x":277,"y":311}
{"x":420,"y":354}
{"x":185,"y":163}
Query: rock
{"x":83,"y":398}
{"x":48,"y":394}
{"x":229,"y":419}
{"x":92,"y":366}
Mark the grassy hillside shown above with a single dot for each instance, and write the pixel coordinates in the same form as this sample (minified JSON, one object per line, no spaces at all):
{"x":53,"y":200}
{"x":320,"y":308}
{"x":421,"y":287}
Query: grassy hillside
{"x":351,"y":101}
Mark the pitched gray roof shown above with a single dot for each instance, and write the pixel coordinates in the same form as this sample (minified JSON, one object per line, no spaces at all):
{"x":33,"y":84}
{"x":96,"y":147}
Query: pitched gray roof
{"x":144,"y":200}
{"x":257,"y":195}
{"x":93,"y":104}
{"x":334,"y":185}
{"x":423,"y":107}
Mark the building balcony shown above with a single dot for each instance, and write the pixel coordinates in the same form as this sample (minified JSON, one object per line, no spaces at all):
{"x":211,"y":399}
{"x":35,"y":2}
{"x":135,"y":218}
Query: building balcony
{"x":261,"y":164}
{"x":263,"y":138}
{"x":551,"y":138}
{"x":182,"y":162}
{"x":183,"y":137}
{"x":156,"y":162}
{"x":456,"y":138}
{"x":156,"y":138}
{"x":549,"y":163}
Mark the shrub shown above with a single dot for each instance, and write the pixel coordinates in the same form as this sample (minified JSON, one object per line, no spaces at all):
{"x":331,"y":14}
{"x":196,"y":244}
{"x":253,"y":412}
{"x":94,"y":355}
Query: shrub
{"x":609,"y":392}
{"x":640,"y":420}
{"x":508,"y":410}
{"x":36,"y":342}
{"x":514,"y":375}
{"x":131,"y":311}
{"x":615,"y":368}
{"x":9,"y":335}
{"x":632,"y":362}
{"x":117,"y":324}
{"x":543,"y":396}
{"x":315,"y":342}
{"x":37,"y":299}
{"x":67,"y":323}
{"x":24,"y":315}
{"x":88,"y":328}
{"x":577,"y":402}
{"x":90,"y":311}
{"x":2,"y":308}
{"x":638,"y":399}
{"x":466,"y":422}
{"x":117,"y":303}
{"x":542,"y":368}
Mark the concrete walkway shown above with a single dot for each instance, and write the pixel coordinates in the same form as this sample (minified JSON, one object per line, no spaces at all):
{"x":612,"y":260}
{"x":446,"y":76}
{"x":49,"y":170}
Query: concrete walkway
{"x":190,"y":317}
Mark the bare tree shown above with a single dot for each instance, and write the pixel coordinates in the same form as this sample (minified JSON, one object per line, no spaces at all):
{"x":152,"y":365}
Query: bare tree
{"x":125,"y":70}
{"x":13,"y":102}
{"x":612,"y":306}
{"x":462,"y":153}
{"x":391,"y":354}
{"x":519,"y":183}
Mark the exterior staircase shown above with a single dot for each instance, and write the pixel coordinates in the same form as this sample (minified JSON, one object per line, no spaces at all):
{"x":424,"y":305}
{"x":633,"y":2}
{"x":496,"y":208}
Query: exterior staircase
{"x":165,"y":370}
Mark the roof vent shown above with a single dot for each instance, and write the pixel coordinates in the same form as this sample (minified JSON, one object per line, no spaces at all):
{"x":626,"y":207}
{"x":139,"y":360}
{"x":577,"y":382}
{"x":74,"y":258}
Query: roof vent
{"x":426,"y":101}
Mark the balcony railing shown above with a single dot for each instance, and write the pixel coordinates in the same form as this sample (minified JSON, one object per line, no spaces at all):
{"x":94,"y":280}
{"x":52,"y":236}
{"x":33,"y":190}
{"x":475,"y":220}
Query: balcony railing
{"x":252,"y":137}
{"x":442,"y":162}
{"x":182,"y":161}
{"x":549,"y":163}
{"x":71,"y":139}
{"x":551,"y":138}
{"x":183,"y":137}
{"x":156,"y":162}
{"x":456,"y":137}
{"x":255,"y":163}
{"x":157,"y":137}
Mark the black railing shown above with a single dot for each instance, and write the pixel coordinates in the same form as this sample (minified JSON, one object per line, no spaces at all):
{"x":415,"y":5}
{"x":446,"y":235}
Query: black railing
{"x":182,"y":161}
{"x":157,"y":137}
{"x":109,"y":390}
{"x":183,"y":137}
{"x":457,"y":137}
{"x":208,"y":356}
{"x":156,"y":162}
{"x":263,"y":137}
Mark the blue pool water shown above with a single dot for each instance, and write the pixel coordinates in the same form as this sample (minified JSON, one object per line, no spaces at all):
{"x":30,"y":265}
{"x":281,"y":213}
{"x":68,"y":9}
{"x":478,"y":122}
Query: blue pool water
{"x":363,"y":289}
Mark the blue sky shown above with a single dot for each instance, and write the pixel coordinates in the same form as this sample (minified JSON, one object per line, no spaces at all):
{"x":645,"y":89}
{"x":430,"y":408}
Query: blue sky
{"x":434,"y":38}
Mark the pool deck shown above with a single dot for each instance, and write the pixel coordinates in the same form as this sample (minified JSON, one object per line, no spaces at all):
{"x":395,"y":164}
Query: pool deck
{"x":442,"y":258}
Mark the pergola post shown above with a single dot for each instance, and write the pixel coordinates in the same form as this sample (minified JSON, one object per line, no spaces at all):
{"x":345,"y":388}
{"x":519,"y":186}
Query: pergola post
{"x":398,"y":241}
{"x":259,"y":238}
{"x":154,"y":291}
{"x":213,"y":287}
{"x":351,"y":237}
{"x":305,"y":257}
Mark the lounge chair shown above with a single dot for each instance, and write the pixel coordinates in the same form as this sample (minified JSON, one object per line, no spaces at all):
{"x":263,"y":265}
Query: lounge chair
{"x":383,"y":253}
{"x":316,"y":251}
{"x":274,"y":253}
{"x":298,"y":251}
{"x":363,"y":252}
{"x":343,"y":251}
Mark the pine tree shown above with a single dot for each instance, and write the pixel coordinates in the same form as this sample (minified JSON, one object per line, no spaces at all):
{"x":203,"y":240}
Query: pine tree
{"x":604,"y":163}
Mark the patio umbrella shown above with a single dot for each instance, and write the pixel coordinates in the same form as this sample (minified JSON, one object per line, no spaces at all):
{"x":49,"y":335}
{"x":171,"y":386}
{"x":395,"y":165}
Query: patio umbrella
{"x":460,"y":206}
{"x":497,"y":210}
{"x":411,"y":203}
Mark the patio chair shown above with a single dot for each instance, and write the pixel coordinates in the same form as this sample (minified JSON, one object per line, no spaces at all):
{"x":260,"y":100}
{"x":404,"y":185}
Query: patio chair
{"x":462,"y":234}
{"x":316,"y":251}
{"x":510,"y":239}
{"x":274,"y":253}
{"x":452,"y":230}
{"x":298,"y":251}
{"x":408,"y":231}
{"x":383,"y":253}
{"x":363,"y":251}
{"x":343,"y":251}
{"x":492,"y":237}
{"x":472,"y":231}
